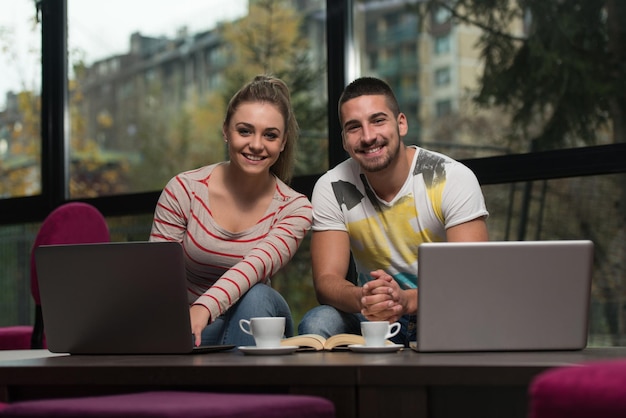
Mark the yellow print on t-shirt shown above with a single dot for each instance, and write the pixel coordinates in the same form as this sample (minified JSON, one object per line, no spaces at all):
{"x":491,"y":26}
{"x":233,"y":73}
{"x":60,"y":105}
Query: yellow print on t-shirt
{"x":390,"y":234}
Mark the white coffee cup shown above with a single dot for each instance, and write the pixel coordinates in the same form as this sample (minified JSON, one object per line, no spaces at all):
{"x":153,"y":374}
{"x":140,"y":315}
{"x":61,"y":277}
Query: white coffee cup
{"x":377,"y":332}
{"x":267,"y":331}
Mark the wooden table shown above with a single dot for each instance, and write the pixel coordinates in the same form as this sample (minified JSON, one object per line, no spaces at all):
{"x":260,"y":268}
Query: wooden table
{"x":361,"y":385}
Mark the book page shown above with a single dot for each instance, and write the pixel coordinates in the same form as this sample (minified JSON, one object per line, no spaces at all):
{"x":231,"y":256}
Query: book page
{"x":306,"y":340}
{"x":340,"y":340}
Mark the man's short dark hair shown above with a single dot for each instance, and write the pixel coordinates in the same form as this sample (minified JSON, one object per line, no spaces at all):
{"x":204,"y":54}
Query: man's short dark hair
{"x":369,"y":86}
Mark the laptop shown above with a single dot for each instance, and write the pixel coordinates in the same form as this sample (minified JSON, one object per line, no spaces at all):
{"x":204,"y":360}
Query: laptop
{"x":503,"y":296}
{"x":116,"y":298}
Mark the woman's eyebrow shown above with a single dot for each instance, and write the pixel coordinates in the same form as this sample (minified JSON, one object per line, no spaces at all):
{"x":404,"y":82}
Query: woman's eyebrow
{"x":253,"y":127}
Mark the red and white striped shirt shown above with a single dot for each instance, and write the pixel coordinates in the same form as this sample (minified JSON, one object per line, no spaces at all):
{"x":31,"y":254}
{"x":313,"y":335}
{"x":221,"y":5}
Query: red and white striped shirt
{"x":222,"y":265}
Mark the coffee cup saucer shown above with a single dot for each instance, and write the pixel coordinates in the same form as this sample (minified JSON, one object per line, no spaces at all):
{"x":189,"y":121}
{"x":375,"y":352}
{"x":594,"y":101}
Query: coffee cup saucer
{"x":267,"y":351}
{"x":389,"y":348}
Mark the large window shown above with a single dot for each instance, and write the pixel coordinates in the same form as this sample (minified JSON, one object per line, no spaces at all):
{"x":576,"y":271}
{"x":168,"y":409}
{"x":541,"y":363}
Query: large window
{"x":20,"y":99}
{"x":148,"y":94}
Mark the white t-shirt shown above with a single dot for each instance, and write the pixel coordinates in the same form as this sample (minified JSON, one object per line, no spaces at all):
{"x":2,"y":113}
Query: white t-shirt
{"x":438,"y":194}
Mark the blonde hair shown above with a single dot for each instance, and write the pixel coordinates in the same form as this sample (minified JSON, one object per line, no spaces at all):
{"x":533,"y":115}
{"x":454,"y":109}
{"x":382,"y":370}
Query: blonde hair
{"x":269,"y":89}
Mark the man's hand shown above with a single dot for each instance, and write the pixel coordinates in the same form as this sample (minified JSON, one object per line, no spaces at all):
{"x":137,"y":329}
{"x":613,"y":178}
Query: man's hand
{"x":200,"y":317}
{"x":382,"y":298}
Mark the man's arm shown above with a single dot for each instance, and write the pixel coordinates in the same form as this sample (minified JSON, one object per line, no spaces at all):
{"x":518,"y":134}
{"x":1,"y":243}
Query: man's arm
{"x":330,"y":257}
{"x":474,"y":230}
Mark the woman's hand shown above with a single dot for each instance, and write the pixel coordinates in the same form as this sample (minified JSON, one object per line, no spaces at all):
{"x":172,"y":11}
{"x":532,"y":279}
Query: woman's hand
{"x":200,"y":317}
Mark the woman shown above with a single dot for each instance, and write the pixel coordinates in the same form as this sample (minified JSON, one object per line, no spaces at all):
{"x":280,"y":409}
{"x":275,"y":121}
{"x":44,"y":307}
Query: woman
{"x":238,"y":221}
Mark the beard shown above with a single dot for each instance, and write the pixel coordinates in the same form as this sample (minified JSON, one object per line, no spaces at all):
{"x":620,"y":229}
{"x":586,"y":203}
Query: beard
{"x":382,"y":162}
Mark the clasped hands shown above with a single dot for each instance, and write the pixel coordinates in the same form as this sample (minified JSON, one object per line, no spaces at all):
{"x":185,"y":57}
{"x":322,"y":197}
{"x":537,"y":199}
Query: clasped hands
{"x":382,"y":298}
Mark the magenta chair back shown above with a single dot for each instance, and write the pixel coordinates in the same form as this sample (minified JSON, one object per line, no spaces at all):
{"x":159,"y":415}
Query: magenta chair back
{"x":15,"y":337}
{"x":175,"y":404}
{"x":588,"y":390}
{"x":70,"y":223}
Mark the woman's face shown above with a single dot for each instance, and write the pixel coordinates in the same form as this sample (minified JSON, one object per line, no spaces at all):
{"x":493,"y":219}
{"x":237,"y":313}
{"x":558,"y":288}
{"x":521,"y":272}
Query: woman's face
{"x":256,"y":137}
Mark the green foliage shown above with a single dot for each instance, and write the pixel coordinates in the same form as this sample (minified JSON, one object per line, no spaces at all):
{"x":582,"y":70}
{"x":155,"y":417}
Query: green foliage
{"x":176,"y":138}
{"x":270,"y":40}
{"x":565,"y":74}
{"x":93,"y":171}
{"x":20,"y":167}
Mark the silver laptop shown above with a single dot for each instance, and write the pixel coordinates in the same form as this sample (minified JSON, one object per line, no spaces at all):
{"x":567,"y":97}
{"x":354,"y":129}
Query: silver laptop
{"x":503,"y":296}
{"x":116,"y":298}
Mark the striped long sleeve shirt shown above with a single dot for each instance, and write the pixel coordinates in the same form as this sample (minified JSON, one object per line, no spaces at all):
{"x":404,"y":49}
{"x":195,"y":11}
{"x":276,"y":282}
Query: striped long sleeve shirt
{"x":221,"y":265}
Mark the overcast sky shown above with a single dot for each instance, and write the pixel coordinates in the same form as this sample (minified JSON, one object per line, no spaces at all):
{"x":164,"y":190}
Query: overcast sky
{"x":99,"y":29}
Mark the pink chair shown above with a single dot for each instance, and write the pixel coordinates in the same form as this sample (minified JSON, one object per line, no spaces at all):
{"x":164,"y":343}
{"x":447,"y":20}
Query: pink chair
{"x":174,"y":405}
{"x":589,"y":390}
{"x":15,"y":337}
{"x":70,"y":223}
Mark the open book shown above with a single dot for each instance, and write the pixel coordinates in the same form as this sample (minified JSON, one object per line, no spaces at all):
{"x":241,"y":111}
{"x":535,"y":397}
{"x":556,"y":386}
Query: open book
{"x":314,"y":342}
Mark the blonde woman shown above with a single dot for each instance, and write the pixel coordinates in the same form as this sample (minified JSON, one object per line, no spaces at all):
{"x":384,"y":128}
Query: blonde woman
{"x":238,"y":221}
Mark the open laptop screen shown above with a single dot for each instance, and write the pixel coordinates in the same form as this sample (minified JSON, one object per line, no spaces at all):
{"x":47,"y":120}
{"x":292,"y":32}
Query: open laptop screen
{"x":504,"y":295}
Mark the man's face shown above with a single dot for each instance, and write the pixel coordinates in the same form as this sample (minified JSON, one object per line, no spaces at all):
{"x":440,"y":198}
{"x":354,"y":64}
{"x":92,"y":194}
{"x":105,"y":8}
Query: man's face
{"x":371,"y":133}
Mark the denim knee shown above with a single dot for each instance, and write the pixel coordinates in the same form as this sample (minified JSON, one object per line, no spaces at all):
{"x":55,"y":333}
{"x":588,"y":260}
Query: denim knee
{"x":326,"y":321}
{"x":264,"y":301}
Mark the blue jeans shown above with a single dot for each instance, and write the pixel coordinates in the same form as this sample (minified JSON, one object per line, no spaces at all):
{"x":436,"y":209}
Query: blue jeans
{"x":326,"y":321}
{"x":259,"y":300}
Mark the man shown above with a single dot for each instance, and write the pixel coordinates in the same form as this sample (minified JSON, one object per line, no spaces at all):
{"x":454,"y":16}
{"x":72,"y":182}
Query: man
{"x":379,"y":205}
